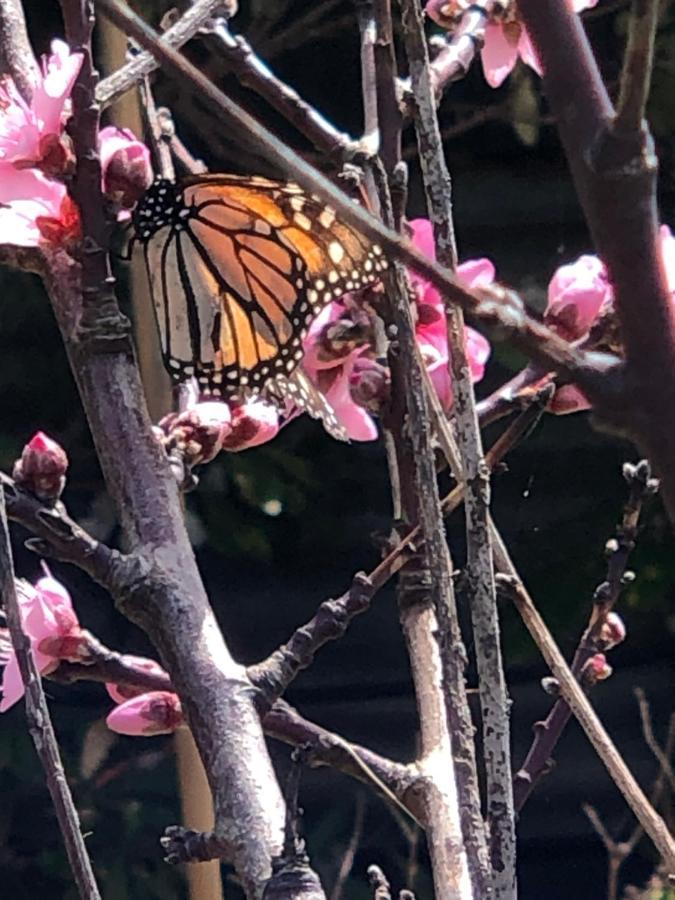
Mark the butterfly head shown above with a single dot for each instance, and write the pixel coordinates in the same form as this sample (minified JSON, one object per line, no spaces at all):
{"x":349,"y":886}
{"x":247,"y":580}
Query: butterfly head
{"x":159,"y":206}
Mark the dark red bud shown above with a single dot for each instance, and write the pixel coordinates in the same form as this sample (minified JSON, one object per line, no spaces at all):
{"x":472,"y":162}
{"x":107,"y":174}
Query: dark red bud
{"x":42,"y":468}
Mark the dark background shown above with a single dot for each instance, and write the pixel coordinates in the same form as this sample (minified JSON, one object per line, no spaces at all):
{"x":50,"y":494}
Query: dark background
{"x":557,"y":504}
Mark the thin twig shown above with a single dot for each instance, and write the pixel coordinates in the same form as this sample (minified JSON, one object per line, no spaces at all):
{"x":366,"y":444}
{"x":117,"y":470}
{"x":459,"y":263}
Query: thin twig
{"x":548,"y":732}
{"x":347,"y":861}
{"x":189,"y":24}
{"x":496,"y":307}
{"x":619,"y":851}
{"x":636,"y":73}
{"x":479,"y":568}
{"x":40,"y":726}
{"x":253,"y":73}
{"x":662,"y":756}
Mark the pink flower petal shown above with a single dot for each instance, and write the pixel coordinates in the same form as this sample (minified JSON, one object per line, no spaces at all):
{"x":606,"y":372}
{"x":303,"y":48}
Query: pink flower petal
{"x":667,"y":242}
{"x":499,"y":54}
{"x":156,"y":712}
{"x":576,"y":294}
{"x":25,"y":196}
{"x":49,"y":98}
{"x":476,"y":273}
{"x":528,"y":54}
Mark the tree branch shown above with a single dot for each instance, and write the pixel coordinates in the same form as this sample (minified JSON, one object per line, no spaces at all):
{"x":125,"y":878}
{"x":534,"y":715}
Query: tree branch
{"x":168,"y":598}
{"x":479,"y":567}
{"x":40,"y":726}
{"x":16,"y":54}
{"x":637,"y":65}
{"x":614,"y":169}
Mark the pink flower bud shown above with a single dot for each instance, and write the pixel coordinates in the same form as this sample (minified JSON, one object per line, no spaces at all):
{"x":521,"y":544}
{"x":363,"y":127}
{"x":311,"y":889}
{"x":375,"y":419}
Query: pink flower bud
{"x":595,"y":669}
{"x":576,"y":295}
{"x":122,"y":692}
{"x":612,"y":632}
{"x":253,"y":422}
{"x":198,"y":432}
{"x":157,"y":712}
{"x":42,"y":468}
{"x":369,"y":384}
{"x":126,"y":167}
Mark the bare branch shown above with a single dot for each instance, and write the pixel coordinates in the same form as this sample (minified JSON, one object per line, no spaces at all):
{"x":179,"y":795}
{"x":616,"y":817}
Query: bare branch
{"x":637,"y":65}
{"x":40,"y":725}
{"x":661,"y":756}
{"x":190,"y":23}
{"x":347,"y":861}
{"x":479,"y":568}
{"x":16,"y":54}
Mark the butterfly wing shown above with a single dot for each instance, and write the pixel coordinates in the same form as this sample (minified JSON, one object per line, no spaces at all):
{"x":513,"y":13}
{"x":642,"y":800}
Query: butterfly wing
{"x":238,"y":268}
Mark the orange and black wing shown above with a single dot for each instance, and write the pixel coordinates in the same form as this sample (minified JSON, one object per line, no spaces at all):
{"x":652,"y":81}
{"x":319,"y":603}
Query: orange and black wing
{"x":238,"y":268}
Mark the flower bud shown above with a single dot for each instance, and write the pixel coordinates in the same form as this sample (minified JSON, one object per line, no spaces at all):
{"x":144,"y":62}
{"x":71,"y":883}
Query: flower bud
{"x":157,"y":712}
{"x":595,"y":669}
{"x":126,"y":167}
{"x":369,"y":384}
{"x":42,"y":468}
{"x":253,"y":422}
{"x":612,"y":631}
{"x":123,"y":691}
{"x":198,"y":432}
{"x":576,"y":294}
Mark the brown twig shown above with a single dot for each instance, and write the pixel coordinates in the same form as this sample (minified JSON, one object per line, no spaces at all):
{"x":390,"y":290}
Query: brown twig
{"x":547,"y":733}
{"x":16,"y":54}
{"x":619,"y":851}
{"x":453,"y":62}
{"x":496,"y":308}
{"x":573,"y":693}
{"x":637,"y":66}
{"x":347,"y":861}
{"x":479,"y":567}
{"x":252,"y":72}
{"x":40,"y":725}
{"x":426,"y":598}
{"x":662,"y":756}
{"x":189,"y":24}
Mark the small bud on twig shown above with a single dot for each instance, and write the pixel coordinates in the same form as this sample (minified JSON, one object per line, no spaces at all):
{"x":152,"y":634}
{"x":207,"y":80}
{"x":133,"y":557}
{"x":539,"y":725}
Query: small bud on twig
{"x":42,"y":468}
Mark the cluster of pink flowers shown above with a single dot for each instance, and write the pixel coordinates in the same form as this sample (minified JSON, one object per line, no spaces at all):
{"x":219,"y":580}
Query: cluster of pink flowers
{"x":36,"y":156}
{"x":578,"y":294}
{"x":506,"y":38}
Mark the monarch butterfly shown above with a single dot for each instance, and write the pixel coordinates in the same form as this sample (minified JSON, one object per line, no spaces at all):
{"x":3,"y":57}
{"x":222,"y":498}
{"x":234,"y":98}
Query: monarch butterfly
{"x":238,"y":268}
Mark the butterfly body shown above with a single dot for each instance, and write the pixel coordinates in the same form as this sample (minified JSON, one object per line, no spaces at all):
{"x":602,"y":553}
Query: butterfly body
{"x":238,"y":268}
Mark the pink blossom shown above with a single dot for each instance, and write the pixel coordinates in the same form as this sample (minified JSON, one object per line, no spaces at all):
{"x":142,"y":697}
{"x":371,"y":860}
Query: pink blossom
{"x":430,"y":329}
{"x":576,"y":295}
{"x":35,"y":210}
{"x":253,"y":422}
{"x":27,"y":130}
{"x":125,"y":165}
{"x":335,"y":384}
{"x":506,"y":39}
{"x":198,"y":432}
{"x":157,"y":712}
{"x":50,"y":622}
{"x":41,"y":468}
